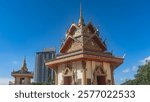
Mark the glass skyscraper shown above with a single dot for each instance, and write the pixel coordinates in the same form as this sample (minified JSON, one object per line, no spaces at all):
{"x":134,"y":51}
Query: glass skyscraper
{"x":42,"y":74}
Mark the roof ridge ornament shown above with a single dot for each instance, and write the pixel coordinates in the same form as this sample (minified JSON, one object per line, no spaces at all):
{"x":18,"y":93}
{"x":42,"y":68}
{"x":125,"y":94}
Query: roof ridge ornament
{"x":81,"y":20}
{"x":24,"y":65}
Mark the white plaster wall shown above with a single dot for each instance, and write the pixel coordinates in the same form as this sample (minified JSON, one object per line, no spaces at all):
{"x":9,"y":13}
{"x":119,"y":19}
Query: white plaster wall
{"x":27,"y":81}
{"x":17,"y":80}
{"x":78,"y":66}
{"x":75,"y":65}
{"x":107,"y":68}
{"x":89,"y":68}
{"x":90,"y":65}
{"x":60,"y":69}
{"x":93,"y":65}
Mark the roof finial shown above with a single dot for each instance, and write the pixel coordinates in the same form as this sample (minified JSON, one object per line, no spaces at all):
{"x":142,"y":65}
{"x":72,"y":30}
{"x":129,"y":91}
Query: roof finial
{"x":24,"y":65}
{"x":81,"y":20}
{"x":24,"y":61}
{"x":80,"y":9}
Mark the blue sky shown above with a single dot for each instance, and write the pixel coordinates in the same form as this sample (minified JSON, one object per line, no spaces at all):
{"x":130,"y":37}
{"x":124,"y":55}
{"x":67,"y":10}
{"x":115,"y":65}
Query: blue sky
{"x":28,"y":26}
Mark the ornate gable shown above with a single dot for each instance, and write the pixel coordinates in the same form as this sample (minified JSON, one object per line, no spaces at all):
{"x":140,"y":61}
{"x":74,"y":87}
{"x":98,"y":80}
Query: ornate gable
{"x":92,"y":41}
{"x":91,"y":28}
{"x":72,"y":30}
{"x":91,"y":45}
{"x":82,"y":37}
{"x":85,"y":38}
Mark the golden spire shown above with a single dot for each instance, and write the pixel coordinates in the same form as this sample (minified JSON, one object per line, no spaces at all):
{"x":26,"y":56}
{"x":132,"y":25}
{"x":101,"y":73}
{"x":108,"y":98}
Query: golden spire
{"x":24,"y":65}
{"x":81,"y":20}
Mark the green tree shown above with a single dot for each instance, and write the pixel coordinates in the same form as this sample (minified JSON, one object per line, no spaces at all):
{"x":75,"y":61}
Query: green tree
{"x":142,"y":77}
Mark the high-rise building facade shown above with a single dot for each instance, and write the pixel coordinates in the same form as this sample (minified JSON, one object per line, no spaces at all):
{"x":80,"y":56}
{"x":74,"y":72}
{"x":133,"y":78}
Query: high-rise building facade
{"x":42,"y":74}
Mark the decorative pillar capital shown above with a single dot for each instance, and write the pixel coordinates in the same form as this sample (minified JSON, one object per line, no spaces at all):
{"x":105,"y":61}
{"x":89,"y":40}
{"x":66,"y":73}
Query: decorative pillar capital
{"x":84,"y":64}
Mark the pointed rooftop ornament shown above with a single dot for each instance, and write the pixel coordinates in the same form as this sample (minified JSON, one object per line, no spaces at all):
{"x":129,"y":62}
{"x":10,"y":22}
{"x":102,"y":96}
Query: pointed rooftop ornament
{"x":24,"y":65}
{"x":24,"y":62}
{"x":81,"y":20}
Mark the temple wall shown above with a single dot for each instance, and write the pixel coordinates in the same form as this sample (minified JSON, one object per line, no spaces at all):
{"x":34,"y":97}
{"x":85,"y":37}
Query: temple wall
{"x":77,"y":70}
{"x":27,"y":81}
{"x":60,"y":69}
{"x":89,"y":69}
{"x":17,"y":80}
{"x":107,"y":69}
{"x":77,"y":67}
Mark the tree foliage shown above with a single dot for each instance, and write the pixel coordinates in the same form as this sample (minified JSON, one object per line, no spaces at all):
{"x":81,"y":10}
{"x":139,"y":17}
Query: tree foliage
{"x":142,"y":77}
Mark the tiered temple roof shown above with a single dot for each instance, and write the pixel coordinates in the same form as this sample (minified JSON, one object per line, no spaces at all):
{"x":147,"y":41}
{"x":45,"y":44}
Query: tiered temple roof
{"x":23,"y":70}
{"x":83,"y":42}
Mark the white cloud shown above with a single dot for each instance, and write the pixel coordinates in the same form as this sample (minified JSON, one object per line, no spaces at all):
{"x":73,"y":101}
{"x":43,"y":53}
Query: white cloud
{"x":135,"y":67}
{"x":123,"y":79}
{"x":142,"y":62}
{"x":132,"y":69}
{"x":5,"y":81}
{"x":126,"y":70}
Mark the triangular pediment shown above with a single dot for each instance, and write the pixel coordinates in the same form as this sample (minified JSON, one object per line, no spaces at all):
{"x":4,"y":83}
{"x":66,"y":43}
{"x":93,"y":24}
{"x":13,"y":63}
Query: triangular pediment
{"x":83,"y":38}
{"x":72,"y":29}
{"x":91,"y":27}
{"x":101,"y":43}
{"x":65,"y":45}
{"x":71,"y":44}
{"x":94,"y":44}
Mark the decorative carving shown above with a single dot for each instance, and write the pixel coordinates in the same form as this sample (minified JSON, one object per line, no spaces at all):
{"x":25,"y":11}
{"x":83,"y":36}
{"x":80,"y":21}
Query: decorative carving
{"x":56,"y":74}
{"x":83,"y":64}
{"x":84,"y":72}
{"x":68,"y":72}
{"x":75,"y":76}
{"x":99,"y":71}
{"x":92,"y":45}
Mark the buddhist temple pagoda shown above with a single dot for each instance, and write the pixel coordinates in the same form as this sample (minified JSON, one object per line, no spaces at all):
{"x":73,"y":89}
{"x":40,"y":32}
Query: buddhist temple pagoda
{"x":83,"y":57}
{"x":23,"y":76}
